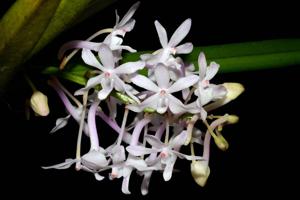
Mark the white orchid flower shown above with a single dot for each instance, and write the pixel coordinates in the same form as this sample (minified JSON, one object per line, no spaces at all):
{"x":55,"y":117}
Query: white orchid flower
{"x":110,"y":78}
{"x":168,"y":152}
{"x":162,"y":99}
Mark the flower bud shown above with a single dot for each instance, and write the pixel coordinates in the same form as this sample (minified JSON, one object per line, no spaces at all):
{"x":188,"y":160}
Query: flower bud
{"x":39,"y":103}
{"x":233,"y":90}
{"x":232,"y":119}
{"x":221,"y":142}
{"x":200,"y":172}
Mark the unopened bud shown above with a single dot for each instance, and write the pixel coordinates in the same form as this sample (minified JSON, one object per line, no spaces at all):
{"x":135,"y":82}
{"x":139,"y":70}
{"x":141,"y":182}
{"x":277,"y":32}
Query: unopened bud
{"x":233,"y":90}
{"x":221,"y":142}
{"x":200,"y":172}
{"x":39,"y":103}
{"x":232,"y":119}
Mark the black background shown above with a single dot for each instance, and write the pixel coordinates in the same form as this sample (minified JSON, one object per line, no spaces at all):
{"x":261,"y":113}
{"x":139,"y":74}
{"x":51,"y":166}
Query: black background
{"x":261,"y":160}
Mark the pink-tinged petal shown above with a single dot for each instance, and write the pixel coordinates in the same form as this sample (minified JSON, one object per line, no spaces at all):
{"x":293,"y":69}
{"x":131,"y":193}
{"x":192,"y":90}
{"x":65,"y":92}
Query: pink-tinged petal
{"x":169,"y":167}
{"x":90,"y":59}
{"x":175,"y":105}
{"x":162,"y":34}
{"x":212,"y":70}
{"x":180,"y":33}
{"x":127,"y":27}
{"x":125,"y":184}
{"x":139,"y":150}
{"x":92,"y":82}
{"x":184,"y":48}
{"x":106,"y":56}
{"x":78,"y":44}
{"x":130,"y":67}
{"x":179,"y":140}
{"x":129,"y":14}
{"x":202,"y":65}
{"x":146,"y":182}
{"x":154,"y":142}
{"x":117,"y":17}
{"x":183,"y":83}
{"x":162,"y":105}
{"x":162,"y":76}
{"x":68,"y":162}
{"x":144,"y":82}
{"x":107,"y":87}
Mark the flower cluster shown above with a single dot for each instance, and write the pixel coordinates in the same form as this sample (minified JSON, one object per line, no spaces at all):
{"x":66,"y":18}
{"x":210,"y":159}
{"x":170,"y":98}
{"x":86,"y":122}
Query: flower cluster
{"x":170,"y":102}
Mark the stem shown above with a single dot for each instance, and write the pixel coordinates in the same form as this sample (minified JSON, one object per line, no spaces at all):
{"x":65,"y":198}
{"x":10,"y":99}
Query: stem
{"x":30,"y":83}
{"x":137,"y":130}
{"x":126,"y":111}
{"x":79,"y":137}
{"x":167,"y":131}
{"x":92,"y":126}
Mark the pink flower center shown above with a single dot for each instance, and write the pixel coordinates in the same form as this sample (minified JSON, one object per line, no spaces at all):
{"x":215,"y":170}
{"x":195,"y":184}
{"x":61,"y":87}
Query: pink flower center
{"x":162,"y":92}
{"x":164,"y":154}
{"x":107,"y":74}
{"x":205,"y":83}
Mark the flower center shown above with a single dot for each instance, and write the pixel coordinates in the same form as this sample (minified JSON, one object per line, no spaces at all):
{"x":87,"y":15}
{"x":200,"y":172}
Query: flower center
{"x":164,"y":154}
{"x":205,"y":83}
{"x":163,"y":92}
{"x":173,"y":50}
{"x":107,"y":74}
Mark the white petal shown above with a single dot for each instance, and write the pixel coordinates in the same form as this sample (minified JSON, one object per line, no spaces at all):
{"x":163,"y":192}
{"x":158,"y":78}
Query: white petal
{"x":183,"y":83}
{"x":144,"y":82}
{"x":68,"y":162}
{"x":137,"y":163}
{"x":169,"y":168}
{"x":118,"y":154}
{"x":179,"y":140}
{"x":130,"y":67}
{"x":162,"y":34}
{"x":106,"y":56}
{"x":60,"y":123}
{"x":175,"y":105}
{"x":92,"y":82}
{"x":188,"y":157}
{"x":129,"y":14}
{"x":162,"y":105}
{"x":202,"y":65}
{"x":94,"y":160}
{"x":162,"y":76}
{"x":212,"y":70}
{"x":127,"y":48}
{"x":128,"y":26}
{"x":185,"y":93}
{"x":139,"y":150}
{"x":154,"y":142}
{"x":98,"y":177}
{"x":180,"y":33}
{"x":146,"y":181}
{"x":125,"y":184}
{"x":107,"y":86}
{"x":89,"y":58}
{"x":184,"y":48}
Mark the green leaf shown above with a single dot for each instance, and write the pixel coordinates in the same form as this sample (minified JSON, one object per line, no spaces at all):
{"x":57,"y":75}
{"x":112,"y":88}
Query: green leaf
{"x":29,"y":25}
{"x":244,"y":56}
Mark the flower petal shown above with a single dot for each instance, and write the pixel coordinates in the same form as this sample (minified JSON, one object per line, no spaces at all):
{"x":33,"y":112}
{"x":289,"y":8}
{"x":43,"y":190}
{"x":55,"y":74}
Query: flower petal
{"x":92,"y":82}
{"x":144,"y":82}
{"x":154,"y":142}
{"x":183,"y":83}
{"x":175,"y":105}
{"x":180,"y":33}
{"x":107,"y":87}
{"x":162,"y":76}
{"x":68,"y":162}
{"x":169,"y":167}
{"x":94,"y":160}
{"x":125,"y":184}
{"x":202,"y":65}
{"x":139,"y":150}
{"x":78,"y":44}
{"x":146,"y":182}
{"x":162,"y":105}
{"x":90,"y":59}
{"x":60,"y":123}
{"x":179,"y":140}
{"x":129,"y":14}
{"x":98,"y":177}
{"x":162,"y":34}
{"x":106,"y":56}
{"x":130,"y":67}
{"x":184,"y":48}
{"x":212,"y":70}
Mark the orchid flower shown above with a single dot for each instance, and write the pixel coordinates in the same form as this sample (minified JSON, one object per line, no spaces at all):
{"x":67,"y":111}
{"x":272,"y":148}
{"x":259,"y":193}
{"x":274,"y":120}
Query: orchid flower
{"x":110,"y":78}
{"x":162,"y":99}
{"x":168,"y":152}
